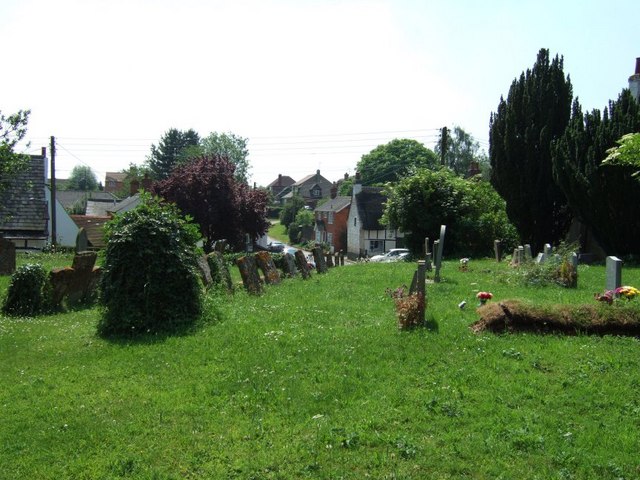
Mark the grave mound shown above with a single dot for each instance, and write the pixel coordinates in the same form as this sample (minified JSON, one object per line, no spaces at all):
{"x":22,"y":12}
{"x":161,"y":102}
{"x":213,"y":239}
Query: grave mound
{"x":513,"y":316}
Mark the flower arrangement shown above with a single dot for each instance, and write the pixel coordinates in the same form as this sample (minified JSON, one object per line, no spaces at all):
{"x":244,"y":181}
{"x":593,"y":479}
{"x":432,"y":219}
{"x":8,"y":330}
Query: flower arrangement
{"x":484,"y":296}
{"x":464,"y":264}
{"x":606,"y":297}
{"x":628,"y":292}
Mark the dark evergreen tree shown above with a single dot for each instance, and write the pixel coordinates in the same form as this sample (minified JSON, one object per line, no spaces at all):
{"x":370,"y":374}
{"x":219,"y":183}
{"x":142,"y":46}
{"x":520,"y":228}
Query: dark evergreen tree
{"x":536,"y":113}
{"x":603,"y":197}
{"x":172,"y":149}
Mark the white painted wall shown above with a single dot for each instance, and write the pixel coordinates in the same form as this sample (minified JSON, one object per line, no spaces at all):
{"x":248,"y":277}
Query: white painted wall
{"x":66,"y":229}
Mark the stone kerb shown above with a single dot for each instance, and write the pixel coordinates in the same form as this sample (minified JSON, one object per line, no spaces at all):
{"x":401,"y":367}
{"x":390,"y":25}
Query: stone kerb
{"x":269,"y":270}
{"x":302,"y":264}
{"x":7,"y":257}
{"x":249,"y":273}
{"x":77,"y":283}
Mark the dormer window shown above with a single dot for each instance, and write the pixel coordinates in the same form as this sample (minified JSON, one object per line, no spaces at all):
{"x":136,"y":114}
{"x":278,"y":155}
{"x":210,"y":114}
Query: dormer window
{"x":316,"y":192}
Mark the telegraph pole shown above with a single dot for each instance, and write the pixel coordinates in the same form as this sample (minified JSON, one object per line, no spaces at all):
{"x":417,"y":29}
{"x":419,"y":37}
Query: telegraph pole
{"x":443,"y":146}
{"x":53,"y":193}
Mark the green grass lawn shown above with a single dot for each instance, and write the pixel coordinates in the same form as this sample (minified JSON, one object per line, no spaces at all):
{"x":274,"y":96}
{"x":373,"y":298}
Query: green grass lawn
{"x":314,"y":380}
{"x":279,"y":232}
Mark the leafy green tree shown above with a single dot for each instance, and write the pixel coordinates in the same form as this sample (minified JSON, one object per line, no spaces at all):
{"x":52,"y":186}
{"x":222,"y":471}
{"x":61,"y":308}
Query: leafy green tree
{"x":462,"y":149}
{"x":82,"y":178}
{"x":536,"y":113}
{"x":304,"y":218}
{"x":394,"y":160}
{"x":13,"y":129}
{"x":230,"y":146}
{"x":602,"y":195}
{"x":291,"y":209}
{"x":627,"y":153}
{"x":473,"y":212}
{"x":149,"y":281}
{"x":225,"y":208}
{"x":174,"y":148}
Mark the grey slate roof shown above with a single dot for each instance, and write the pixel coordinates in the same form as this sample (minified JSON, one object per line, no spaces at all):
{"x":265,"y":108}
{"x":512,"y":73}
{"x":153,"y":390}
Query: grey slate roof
{"x":334,"y":204}
{"x":68,"y":198}
{"x":370,"y":202}
{"x":23,"y":207}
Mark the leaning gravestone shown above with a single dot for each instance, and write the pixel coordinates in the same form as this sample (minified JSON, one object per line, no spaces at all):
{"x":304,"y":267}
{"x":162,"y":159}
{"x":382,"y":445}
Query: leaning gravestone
{"x":77,"y":283}
{"x":249,"y":273}
{"x":219,"y":269}
{"x":613,"y":273}
{"x":302,"y":264}
{"x":7,"y":257}
{"x":82,"y":241}
{"x":290,"y":265}
{"x":318,"y":257}
{"x":269,"y":270}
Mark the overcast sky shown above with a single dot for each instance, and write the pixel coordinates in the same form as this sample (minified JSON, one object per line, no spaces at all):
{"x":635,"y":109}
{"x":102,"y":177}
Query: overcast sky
{"x":311,"y":84}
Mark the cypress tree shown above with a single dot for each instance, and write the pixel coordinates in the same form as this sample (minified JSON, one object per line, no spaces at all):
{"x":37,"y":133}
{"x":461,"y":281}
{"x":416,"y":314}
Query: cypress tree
{"x":536,"y":113}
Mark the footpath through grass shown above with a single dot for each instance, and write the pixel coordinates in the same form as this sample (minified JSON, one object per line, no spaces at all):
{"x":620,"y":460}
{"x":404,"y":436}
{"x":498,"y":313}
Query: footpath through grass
{"x":314,"y":380}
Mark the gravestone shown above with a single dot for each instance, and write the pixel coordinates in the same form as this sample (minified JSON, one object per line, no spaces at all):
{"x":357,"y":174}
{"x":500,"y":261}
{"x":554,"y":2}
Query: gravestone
{"x":318,"y":257}
{"x":520,"y":255}
{"x":205,"y":271}
{"x":528,"y":256}
{"x":302,"y":264}
{"x":7,"y":257}
{"x":497,"y":250}
{"x":573,"y":259}
{"x":515,"y":258}
{"x":613,"y":273}
{"x":77,"y":283}
{"x":82,"y":241}
{"x":547,"y":250}
{"x":219,"y":269}
{"x":290,"y":269}
{"x":336,"y":259}
{"x":540,"y":258}
{"x":269,"y":270}
{"x":427,"y":255}
{"x":249,"y":273}
{"x":220,"y":246}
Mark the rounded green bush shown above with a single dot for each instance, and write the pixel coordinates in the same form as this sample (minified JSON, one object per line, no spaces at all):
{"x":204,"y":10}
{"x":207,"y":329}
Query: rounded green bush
{"x":150,"y":281}
{"x":28,"y":292}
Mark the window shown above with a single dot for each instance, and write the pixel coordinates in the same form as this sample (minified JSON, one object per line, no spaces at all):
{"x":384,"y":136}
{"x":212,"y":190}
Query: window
{"x":316,"y":192}
{"x":355,"y":221}
{"x":330,"y":238}
{"x":318,"y":236}
{"x":330,"y":218}
{"x":374,"y":245}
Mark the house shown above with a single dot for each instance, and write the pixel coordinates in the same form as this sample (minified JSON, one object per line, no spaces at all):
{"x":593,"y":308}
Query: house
{"x":280,"y":184}
{"x":331,"y":221}
{"x":366,"y":236}
{"x":25,"y":211}
{"x":82,"y":202}
{"x":114,"y":181}
{"x":311,"y":188}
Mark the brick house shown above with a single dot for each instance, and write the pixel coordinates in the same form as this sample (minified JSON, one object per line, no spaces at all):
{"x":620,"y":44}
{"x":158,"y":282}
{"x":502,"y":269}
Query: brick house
{"x":331,"y":222}
{"x":311,"y":188}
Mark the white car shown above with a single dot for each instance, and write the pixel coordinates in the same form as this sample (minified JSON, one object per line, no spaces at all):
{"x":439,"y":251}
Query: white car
{"x":393,"y":255}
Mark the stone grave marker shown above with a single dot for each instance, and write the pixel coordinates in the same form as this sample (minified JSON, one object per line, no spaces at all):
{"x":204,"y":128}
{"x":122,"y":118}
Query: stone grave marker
{"x":302,"y":264}
{"x":220,"y":274}
{"x":205,"y":271}
{"x":269,"y":270}
{"x":220,"y":246}
{"x":497,"y":250}
{"x":528,"y":256}
{"x":290,"y":265}
{"x":7,"y":257}
{"x":515,"y":258}
{"x":573,"y":259}
{"x":82,"y":241}
{"x":318,"y":257}
{"x":613,"y":273}
{"x":77,"y":283}
{"x":249,"y":273}
{"x":427,"y":255}
{"x":548,"y":250}
{"x":520,"y":255}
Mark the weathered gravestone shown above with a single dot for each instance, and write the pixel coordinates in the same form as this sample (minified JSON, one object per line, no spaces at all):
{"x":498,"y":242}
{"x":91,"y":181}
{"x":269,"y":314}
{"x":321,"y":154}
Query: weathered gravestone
{"x":438,"y":252}
{"x":220,"y":246}
{"x":318,"y":257}
{"x":290,"y":265}
{"x":249,"y":273}
{"x":82,"y":241}
{"x":497,"y":250}
{"x":520,"y":255}
{"x":77,"y":283}
{"x":528,"y":255}
{"x":269,"y":270}
{"x":515,"y":258}
{"x":219,"y":269}
{"x":427,"y":254}
{"x":613,"y":273}
{"x":7,"y":257}
{"x":302,"y":264}
{"x":205,"y":271}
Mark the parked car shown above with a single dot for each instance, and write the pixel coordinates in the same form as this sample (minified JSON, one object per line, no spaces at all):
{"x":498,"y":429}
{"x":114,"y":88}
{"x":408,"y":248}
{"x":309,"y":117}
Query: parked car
{"x":275,"y":247}
{"x":290,"y":250}
{"x":393,"y":255}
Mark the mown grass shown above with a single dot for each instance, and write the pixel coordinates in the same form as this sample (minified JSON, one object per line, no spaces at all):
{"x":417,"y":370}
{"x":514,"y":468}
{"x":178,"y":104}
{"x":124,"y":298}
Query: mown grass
{"x":314,"y":380}
{"x":279,"y":232}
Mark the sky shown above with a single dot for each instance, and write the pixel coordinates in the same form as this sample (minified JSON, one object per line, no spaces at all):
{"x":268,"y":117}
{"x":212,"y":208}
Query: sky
{"x":312,"y":85}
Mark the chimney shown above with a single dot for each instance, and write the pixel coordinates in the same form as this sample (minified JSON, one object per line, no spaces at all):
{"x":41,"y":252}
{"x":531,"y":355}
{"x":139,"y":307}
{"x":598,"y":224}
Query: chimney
{"x":44,"y":151}
{"x":134,"y":186}
{"x":146,"y":183}
{"x":634,"y":81}
{"x":638,"y":66}
{"x":279,"y":179}
{"x":334,"y":190}
{"x":357,"y":184}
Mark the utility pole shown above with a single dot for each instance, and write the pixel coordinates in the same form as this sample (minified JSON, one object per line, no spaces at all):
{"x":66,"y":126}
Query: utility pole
{"x":53,"y":193}
{"x":443,"y":146}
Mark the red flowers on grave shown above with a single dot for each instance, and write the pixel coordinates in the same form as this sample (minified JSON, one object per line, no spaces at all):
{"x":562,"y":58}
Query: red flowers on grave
{"x":484,"y":296}
{"x":606,"y":297}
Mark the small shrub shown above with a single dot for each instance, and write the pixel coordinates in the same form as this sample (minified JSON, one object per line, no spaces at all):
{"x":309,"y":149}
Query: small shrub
{"x":150,"y":281}
{"x":29,"y":292}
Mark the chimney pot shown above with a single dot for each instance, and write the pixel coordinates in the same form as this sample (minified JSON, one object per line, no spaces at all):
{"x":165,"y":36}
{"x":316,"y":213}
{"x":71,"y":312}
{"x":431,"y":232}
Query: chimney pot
{"x":638,"y":66}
